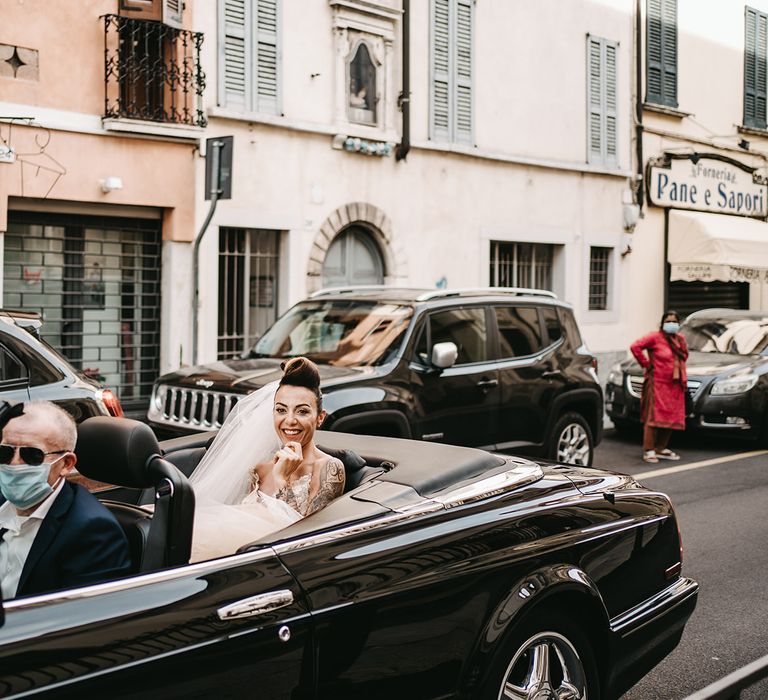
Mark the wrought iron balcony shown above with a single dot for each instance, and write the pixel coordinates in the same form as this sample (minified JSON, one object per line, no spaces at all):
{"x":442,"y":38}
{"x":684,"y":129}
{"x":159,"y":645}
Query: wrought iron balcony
{"x":152,"y":71}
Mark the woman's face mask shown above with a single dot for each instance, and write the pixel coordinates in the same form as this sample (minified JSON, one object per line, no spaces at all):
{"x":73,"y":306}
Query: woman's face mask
{"x":671,"y":327}
{"x":24,"y":485}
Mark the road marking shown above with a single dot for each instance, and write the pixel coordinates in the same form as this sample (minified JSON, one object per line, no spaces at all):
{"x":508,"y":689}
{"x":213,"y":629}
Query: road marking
{"x":699,"y":465}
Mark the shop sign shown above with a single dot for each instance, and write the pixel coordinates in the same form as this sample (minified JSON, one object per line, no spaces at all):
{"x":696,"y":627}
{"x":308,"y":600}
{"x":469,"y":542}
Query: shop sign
{"x":707,"y":183}
{"x":706,"y":272}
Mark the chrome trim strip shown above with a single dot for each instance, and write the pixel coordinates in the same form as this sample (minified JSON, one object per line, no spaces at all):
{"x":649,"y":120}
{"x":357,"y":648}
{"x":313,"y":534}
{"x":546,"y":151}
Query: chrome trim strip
{"x":642,"y":614}
{"x":492,"y":486}
{"x":255,"y":605}
{"x":140,"y":580}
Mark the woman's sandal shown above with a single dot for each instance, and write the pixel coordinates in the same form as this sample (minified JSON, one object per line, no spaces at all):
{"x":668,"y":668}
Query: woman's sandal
{"x":651,"y":457}
{"x":668,"y":454}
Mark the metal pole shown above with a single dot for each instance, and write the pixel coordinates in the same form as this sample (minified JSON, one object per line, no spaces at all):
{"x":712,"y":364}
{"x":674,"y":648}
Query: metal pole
{"x":215,"y":191}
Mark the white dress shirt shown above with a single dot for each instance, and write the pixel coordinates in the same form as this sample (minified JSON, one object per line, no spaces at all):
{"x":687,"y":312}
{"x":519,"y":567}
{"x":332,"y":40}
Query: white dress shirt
{"x":22,"y":530}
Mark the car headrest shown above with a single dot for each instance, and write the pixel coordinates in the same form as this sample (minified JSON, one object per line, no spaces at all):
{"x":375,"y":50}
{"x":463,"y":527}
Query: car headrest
{"x":116,"y":451}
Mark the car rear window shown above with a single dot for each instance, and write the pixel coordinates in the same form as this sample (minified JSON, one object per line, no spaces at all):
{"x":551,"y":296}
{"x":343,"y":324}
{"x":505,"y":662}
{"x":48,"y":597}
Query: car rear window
{"x":519,"y":330}
{"x":568,"y":323}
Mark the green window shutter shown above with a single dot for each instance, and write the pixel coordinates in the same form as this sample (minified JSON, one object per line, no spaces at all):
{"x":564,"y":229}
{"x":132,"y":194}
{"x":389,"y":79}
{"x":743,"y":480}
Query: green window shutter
{"x":235,"y":54}
{"x":463,"y":72}
{"x":661,"y":52}
{"x":755,"y":68}
{"x":267,"y":52}
{"x":602,"y":56}
{"x":439,"y":97}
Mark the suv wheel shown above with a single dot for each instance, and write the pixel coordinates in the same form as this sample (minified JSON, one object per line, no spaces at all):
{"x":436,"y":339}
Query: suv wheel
{"x":570,"y":441}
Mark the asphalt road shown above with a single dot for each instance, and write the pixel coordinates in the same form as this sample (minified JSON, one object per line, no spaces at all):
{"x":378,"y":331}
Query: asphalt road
{"x":722,"y":506}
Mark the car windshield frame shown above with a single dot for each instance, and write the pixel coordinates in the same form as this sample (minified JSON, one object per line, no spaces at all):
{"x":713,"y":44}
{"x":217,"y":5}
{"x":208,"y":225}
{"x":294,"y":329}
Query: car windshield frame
{"x":744,"y":336}
{"x":338,"y":332}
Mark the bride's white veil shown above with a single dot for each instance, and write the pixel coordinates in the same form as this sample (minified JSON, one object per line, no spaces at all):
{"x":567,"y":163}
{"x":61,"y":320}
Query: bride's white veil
{"x":246,"y":438}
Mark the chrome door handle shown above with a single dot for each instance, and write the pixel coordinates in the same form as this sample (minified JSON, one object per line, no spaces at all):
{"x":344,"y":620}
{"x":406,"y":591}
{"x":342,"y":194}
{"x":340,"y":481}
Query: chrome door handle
{"x":556,"y":373}
{"x":487,"y":383}
{"x":255,"y":605}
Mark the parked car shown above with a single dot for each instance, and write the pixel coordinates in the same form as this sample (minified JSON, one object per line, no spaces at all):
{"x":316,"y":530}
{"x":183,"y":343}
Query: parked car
{"x":727,"y":375}
{"x":499,"y":368}
{"x":442,"y":572}
{"x":30,"y":369}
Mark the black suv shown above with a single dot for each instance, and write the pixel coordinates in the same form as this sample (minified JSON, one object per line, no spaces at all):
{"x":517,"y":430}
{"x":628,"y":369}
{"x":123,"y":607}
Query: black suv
{"x":30,"y":369}
{"x":501,"y":368}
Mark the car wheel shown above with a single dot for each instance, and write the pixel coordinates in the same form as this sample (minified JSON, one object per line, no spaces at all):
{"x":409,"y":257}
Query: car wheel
{"x":570,"y":441}
{"x":549,"y":657}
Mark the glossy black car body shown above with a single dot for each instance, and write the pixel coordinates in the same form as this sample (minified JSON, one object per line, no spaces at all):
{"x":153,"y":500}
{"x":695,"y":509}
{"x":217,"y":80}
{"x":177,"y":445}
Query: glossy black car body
{"x":528,"y":383}
{"x":727,"y":376}
{"x":438,"y":567}
{"x":30,"y":369}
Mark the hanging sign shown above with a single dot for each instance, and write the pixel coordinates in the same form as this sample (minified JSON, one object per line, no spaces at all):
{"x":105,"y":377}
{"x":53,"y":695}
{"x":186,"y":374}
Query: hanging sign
{"x":707,"y":183}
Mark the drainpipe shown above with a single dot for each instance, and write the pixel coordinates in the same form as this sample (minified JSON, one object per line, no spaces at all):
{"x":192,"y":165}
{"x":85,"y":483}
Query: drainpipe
{"x":215,"y":191}
{"x":639,"y":105}
{"x":404,"y":99}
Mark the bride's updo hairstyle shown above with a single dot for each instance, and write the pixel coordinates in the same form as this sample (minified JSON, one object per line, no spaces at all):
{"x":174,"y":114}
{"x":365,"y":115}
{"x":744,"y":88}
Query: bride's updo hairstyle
{"x":299,"y":371}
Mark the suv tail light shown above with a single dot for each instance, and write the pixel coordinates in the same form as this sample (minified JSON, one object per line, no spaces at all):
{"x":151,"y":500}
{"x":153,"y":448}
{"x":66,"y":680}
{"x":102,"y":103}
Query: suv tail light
{"x":111,"y":403}
{"x":594,"y":364}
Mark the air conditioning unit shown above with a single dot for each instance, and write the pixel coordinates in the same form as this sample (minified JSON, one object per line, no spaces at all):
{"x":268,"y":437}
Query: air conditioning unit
{"x":166,"y":11}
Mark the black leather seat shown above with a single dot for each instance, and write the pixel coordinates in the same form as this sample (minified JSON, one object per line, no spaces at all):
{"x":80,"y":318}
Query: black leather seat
{"x":125,"y":452}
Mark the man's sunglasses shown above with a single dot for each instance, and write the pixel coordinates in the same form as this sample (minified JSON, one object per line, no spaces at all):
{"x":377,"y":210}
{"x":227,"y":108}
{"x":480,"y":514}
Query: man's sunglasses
{"x":33,"y":456}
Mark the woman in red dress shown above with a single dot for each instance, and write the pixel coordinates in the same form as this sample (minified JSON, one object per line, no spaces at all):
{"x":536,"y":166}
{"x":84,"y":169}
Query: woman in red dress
{"x":662,"y":354}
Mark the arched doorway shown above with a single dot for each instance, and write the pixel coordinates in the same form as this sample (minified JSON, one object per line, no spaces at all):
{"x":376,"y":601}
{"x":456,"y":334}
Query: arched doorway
{"x":353,"y":259}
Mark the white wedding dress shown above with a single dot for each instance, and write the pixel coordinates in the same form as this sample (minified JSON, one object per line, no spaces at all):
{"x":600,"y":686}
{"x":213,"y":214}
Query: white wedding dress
{"x":230,"y":510}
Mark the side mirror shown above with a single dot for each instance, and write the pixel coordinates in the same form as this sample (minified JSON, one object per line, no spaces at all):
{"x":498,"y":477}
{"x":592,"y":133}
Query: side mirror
{"x":444,"y":355}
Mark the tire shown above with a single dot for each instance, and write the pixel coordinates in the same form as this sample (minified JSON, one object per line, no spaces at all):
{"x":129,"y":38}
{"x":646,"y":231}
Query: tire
{"x":570,"y":441}
{"x":547,"y":651}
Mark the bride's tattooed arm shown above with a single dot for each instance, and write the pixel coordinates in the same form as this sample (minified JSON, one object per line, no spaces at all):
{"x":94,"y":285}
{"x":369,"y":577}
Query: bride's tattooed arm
{"x":331,"y":485}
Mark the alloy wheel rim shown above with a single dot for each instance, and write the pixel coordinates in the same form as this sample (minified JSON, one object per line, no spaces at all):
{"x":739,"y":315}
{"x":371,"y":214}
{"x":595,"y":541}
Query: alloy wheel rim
{"x":546,"y":667}
{"x":573,"y":445}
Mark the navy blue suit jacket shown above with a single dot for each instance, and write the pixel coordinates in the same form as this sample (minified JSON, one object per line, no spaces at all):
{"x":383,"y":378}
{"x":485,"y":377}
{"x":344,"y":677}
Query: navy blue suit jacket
{"x":79,"y":543}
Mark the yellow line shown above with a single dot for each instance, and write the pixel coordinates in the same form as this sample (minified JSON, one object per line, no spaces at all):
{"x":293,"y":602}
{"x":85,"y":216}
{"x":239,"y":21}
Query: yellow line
{"x":699,"y":465}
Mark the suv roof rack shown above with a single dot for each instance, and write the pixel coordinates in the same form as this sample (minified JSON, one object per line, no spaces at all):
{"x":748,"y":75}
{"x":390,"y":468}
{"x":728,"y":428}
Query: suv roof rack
{"x":517,"y":291}
{"x":349,"y":290}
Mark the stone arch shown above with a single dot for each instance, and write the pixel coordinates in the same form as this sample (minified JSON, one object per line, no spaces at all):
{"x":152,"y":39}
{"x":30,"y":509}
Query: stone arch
{"x":375,"y":222}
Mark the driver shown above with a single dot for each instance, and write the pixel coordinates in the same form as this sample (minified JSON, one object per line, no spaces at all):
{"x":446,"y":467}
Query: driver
{"x":53,"y":534}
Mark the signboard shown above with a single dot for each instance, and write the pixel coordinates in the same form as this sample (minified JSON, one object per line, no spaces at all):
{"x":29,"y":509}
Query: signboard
{"x":224,"y":175}
{"x":706,"y":272}
{"x":707,"y":183}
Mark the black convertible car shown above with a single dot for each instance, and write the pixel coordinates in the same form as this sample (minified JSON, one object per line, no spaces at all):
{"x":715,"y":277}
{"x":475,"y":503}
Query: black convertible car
{"x":443,"y":572}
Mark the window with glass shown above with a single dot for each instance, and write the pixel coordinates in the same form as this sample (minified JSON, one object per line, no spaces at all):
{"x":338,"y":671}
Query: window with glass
{"x":248,"y":266}
{"x":526,"y":265}
{"x":552,"y":328}
{"x":599,"y":282}
{"x":362,"y":86}
{"x":519,"y":330}
{"x":466,"y":328}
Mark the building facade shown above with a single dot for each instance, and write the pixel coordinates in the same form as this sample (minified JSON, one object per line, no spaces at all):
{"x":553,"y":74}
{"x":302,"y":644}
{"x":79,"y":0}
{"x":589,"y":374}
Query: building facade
{"x":702,"y":240}
{"x":99,"y":124}
{"x":442,"y":143}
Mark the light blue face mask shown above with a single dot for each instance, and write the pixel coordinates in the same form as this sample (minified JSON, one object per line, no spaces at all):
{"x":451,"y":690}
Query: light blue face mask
{"x":24,"y":485}
{"x":671,"y":327}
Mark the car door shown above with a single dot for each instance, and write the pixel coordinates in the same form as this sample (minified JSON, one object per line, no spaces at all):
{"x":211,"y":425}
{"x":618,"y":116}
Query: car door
{"x":226,"y":628}
{"x":456,"y":405}
{"x":527,"y":374}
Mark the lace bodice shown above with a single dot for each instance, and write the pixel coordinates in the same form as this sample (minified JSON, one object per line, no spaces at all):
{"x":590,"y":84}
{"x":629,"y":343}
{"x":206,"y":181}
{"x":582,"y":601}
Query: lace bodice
{"x":295,"y":494}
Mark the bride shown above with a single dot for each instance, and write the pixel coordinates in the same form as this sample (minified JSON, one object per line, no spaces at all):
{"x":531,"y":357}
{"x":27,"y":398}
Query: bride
{"x":256,"y":478}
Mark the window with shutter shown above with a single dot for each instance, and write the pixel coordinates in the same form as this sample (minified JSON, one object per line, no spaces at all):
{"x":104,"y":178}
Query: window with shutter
{"x":601,"y":100}
{"x":755,"y":32}
{"x":451,"y":102}
{"x":249,"y":55}
{"x":661,"y":52}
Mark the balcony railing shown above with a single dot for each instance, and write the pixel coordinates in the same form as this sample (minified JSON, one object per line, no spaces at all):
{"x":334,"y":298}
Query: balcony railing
{"x":152,"y":72}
